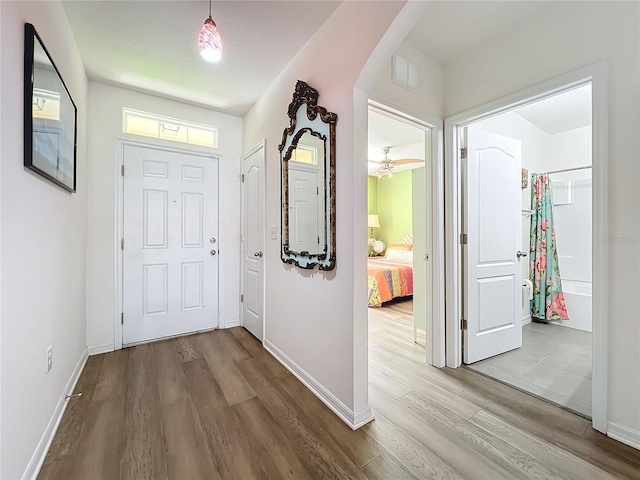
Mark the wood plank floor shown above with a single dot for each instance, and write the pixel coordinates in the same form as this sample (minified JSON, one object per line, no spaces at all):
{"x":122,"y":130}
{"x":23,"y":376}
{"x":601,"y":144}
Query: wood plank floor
{"x":217,"y":405}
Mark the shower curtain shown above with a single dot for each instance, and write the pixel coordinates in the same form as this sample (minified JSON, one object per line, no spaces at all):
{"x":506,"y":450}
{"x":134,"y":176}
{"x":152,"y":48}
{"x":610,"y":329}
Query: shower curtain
{"x":544,"y":272}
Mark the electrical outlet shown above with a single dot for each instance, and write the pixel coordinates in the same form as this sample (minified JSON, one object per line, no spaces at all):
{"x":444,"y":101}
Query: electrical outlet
{"x":274,"y":232}
{"x":49,"y":358}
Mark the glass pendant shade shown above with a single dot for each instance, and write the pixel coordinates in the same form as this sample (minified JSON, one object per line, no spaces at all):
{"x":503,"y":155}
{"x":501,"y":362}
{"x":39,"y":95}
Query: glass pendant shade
{"x":210,"y":41}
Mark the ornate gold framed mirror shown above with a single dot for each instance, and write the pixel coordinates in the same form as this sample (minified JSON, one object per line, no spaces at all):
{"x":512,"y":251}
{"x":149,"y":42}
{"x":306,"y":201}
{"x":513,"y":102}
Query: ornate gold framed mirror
{"x":307,"y":156}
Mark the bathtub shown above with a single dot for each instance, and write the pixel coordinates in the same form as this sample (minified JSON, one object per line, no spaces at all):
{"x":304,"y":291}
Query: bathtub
{"x":577,"y":295}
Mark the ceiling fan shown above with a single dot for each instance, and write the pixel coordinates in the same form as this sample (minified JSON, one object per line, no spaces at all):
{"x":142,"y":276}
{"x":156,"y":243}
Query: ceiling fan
{"x":387,"y":165}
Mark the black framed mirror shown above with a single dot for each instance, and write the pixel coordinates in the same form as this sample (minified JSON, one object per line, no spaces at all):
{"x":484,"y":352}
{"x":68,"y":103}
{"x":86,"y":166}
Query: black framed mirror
{"x":50,"y":116}
{"x":307,"y":155}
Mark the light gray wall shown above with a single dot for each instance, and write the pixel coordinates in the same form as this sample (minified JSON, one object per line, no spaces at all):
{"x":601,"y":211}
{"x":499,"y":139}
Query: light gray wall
{"x":43,"y":250}
{"x":310,"y":314}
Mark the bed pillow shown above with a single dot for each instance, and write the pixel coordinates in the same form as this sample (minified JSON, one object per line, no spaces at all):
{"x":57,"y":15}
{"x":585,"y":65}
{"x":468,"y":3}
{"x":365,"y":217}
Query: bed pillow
{"x":400,"y":255}
{"x":400,"y":246}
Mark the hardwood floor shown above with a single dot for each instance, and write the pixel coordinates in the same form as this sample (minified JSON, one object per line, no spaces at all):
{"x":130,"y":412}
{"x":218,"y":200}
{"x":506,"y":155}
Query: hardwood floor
{"x":217,"y":405}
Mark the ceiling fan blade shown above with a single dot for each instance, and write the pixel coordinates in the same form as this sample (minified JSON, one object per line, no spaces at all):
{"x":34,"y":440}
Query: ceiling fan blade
{"x":405,"y":161}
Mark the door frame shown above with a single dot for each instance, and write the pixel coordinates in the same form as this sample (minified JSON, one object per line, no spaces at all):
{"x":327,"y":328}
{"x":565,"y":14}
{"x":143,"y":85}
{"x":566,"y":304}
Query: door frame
{"x":435,"y":234}
{"x":596,"y":75}
{"x":118,"y":256}
{"x":261,"y":146}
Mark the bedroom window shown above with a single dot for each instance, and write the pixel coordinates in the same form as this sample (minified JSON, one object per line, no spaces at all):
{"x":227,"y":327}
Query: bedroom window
{"x":165,"y":128}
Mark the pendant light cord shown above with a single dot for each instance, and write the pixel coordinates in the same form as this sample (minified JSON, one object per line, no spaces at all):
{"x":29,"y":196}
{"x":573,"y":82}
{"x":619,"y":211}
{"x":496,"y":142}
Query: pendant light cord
{"x":209,"y":8}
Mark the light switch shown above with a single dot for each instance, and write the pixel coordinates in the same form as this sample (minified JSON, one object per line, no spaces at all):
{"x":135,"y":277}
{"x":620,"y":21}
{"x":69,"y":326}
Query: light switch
{"x":274,"y":232}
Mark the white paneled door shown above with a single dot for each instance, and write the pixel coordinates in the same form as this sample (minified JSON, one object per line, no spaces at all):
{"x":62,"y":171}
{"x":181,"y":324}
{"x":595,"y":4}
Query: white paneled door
{"x":304,"y":212}
{"x":170,"y":284}
{"x":493,"y":252}
{"x":253,"y":242}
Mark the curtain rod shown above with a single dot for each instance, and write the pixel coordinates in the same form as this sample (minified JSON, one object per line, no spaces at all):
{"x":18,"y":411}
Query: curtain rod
{"x":569,"y":169}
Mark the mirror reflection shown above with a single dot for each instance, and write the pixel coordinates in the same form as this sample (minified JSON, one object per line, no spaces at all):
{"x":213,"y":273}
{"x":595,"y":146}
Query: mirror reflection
{"x":306,"y":195}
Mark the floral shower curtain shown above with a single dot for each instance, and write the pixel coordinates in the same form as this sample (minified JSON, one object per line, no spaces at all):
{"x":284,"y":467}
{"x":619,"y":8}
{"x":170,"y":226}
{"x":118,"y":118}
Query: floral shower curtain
{"x":548,"y":300}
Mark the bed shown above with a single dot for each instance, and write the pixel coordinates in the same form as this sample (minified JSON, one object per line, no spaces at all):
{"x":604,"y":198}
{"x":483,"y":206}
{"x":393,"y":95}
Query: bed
{"x":390,"y":276}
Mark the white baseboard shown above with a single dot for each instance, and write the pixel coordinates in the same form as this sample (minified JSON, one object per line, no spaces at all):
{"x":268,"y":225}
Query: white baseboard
{"x":624,"y":434}
{"x":526,"y":320}
{"x":104,"y":348}
{"x":353,"y":419}
{"x":231,"y":323}
{"x":38,"y":457}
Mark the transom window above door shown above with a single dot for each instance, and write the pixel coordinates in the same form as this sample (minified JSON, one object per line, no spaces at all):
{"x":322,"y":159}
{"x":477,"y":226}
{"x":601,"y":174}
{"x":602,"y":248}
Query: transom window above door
{"x":166,"y":128}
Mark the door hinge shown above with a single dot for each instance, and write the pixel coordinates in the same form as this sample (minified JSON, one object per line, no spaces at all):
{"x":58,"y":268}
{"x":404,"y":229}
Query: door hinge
{"x":463,"y":239}
{"x":241,"y":297}
{"x":463,"y":323}
{"x":463,"y":153}
{"x":242,"y":177}
{"x":122,"y":244}
{"x":122,"y":319}
{"x":318,"y":240}
{"x":317,"y":190}
{"x":122,"y":170}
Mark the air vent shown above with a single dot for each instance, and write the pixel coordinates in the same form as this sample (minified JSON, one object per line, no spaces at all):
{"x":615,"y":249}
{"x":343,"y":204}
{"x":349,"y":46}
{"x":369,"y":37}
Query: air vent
{"x":405,"y":74}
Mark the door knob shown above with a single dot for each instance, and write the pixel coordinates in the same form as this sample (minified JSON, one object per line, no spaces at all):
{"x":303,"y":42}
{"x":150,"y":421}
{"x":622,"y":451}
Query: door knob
{"x":521,"y":254}
{"x":212,"y":252}
{"x":258,"y":254}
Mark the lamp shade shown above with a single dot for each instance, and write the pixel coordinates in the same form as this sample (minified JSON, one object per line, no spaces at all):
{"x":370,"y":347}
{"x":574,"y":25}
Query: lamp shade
{"x":373,"y":222}
{"x":210,"y":42}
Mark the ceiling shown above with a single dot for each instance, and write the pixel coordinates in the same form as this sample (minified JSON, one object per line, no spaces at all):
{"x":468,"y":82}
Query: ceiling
{"x":405,"y":140}
{"x":151,"y":46}
{"x":449,"y":29}
{"x":560,"y":113}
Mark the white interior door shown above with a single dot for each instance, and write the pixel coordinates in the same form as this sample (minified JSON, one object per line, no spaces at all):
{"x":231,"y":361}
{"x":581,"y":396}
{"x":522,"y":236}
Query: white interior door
{"x":493,"y":224}
{"x":170,"y":282}
{"x":253,"y":243}
{"x":303,"y":210}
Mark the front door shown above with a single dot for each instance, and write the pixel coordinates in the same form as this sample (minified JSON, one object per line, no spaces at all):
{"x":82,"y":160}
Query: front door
{"x":253,"y":242}
{"x":493,"y":226}
{"x":170,"y":244}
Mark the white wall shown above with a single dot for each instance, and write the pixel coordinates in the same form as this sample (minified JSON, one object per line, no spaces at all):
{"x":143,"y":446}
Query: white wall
{"x":570,"y":149}
{"x":310,"y":314}
{"x":43,"y":246}
{"x":105,"y":125}
{"x":544,"y":48}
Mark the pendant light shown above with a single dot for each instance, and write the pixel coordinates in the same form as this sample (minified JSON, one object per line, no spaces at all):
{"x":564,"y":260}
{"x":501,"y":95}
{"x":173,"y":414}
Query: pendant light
{"x":209,"y":40}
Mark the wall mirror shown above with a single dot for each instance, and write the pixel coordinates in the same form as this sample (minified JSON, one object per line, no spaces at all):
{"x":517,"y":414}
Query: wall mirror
{"x":307,"y":155}
{"x":49,"y":116}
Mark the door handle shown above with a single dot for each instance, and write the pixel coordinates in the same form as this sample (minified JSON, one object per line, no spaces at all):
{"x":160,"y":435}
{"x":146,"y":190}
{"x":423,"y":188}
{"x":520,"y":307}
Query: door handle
{"x":521,"y":254}
{"x":258,"y":254}
{"x":212,"y":252}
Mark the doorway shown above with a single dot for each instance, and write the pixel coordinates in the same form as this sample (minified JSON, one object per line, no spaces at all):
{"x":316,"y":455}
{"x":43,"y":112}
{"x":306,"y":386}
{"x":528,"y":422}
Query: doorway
{"x":404,"y":276}
{"x":169,"y":243}
{"x":533,"y":345}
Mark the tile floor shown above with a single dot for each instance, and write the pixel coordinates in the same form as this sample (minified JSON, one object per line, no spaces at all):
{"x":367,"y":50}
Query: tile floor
{"x":554,"y":363}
